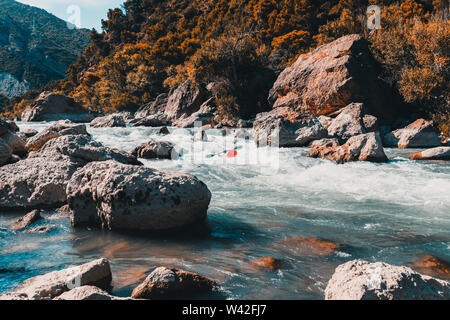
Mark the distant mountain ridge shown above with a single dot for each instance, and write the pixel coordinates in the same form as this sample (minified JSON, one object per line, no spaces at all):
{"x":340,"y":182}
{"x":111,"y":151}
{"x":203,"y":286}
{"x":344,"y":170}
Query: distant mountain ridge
{"x":35,"y":47}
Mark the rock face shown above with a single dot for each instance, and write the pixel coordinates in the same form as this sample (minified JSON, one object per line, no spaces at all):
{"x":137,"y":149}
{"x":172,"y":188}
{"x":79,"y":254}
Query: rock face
{"x":27,"y":220}
{"x":364,"y":147}
{"x":116,"y":196}
{"x":184,"y":100}
{"x":353,"y":120}
{"x":48,"y":286}
{"x":5,"y":152}
{"x":155,"y":107}
{"x":155,"y":150}
{"x":284,"y":128}
{"x":112,"y":120}
{"x":419,"y":134}
{"x":40,"y":180}
{"x":361,"y":280}
{"x":165,"y":283}
{"x":439,"y":153}
{"x":58,"y":129}
{"x":53,"y":106}
{"x":331,"y":77}
{"x":87,"y":293}
{"x":156,"y":120}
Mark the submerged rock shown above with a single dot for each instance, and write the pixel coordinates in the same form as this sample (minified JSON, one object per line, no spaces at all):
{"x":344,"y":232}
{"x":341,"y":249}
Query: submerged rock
{"x":115,"y":196}
{"x":419,"y":134}
{"x":50,"y":106}
{"x":364,"y":147}
{"x":155,"y":150}
{"x":27,"y":220}
{"x":40,"y":229}
{"x":48,"y":286}
{"x":165,"y":283}
{"x":268,"y":263}
{"x":362,"y":280}
{"x":439,"y":153}
{"x":433,"y":266}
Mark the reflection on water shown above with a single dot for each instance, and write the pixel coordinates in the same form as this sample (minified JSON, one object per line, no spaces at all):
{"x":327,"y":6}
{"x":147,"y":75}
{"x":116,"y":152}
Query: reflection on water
{"x":311,"y":214}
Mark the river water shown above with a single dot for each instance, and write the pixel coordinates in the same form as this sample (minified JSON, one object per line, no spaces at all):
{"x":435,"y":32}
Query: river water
{"x":264,"y":202}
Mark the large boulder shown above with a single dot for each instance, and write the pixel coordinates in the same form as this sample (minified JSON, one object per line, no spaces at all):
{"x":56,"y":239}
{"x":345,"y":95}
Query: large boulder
{"x":331,"y":77}
{"x":165,"y":283}
{"x":57,"y":129}
{"x":51,"y":285}
{"x":352,"y":120}
{"x":284,"y":128}
{"x":438,"y":153}
{"x":40,"y":180}
{"x":363,"y":147}
{"x":50,"y":106}
{"x":155,"y":150}
{"x":112,"y":120}
{"x":5,"y":152}
{"x":362,"y":280}
{"x":115,"y":196}
{"x":419,"y":134}
{"x":185,"y":100}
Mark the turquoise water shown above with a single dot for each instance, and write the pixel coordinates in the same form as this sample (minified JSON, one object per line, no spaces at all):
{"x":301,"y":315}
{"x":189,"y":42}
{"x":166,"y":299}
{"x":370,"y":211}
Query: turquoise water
{"x":261,"y":200}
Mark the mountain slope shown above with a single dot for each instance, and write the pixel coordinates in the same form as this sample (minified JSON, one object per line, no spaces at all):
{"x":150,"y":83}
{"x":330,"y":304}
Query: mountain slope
{"x":35,"y":47}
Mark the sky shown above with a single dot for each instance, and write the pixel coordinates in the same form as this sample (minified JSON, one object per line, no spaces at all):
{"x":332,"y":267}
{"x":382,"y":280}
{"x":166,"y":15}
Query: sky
{"x":84,"y":13}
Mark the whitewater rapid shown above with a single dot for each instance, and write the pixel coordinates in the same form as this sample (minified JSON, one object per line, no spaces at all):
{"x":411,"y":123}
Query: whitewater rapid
{"x":261,"y":199}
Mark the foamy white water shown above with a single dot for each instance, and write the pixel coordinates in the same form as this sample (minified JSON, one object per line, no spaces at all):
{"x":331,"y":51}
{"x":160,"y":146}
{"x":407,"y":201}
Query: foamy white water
{"x":262,"y":198}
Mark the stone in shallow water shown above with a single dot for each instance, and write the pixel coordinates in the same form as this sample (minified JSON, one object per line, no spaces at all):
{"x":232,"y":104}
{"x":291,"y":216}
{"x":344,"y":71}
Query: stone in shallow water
{"x":88,"y":293}
{"x":165,"y":283}
{"x":27,"y":220}
{"x":124,"y":197}
{"x":362,"y":280}
{"x":268,"y":263}
{"x":48,"y":286}
{"x":439,"y":153}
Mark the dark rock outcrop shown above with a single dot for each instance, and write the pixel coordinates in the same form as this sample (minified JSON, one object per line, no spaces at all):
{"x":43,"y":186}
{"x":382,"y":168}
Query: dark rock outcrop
{"x":115,"y":196}
{"x":50,"y":106}
{"x":165,"y":283}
